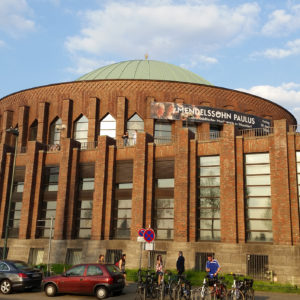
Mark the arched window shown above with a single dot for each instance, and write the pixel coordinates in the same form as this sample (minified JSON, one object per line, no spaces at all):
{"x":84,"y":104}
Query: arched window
{"x":33,"y":130}
{"x":81,"y":127}
{"x":55,"y":128}
{"x":108,"y":126}
{"x":135,"y":123}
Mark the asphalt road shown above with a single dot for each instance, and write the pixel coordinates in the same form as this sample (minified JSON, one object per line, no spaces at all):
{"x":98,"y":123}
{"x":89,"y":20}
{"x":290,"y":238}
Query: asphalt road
{"x":128,"y":294}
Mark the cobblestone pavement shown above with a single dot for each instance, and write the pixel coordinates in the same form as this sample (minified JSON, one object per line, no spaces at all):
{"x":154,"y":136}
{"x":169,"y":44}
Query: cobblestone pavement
{"x":128,"y":294}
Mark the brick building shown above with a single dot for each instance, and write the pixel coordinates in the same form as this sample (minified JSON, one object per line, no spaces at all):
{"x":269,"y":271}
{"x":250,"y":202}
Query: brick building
{"x":204,"y":185}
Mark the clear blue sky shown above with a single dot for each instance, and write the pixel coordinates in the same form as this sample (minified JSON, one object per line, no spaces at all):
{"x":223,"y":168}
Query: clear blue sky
{"x":245,"y":45}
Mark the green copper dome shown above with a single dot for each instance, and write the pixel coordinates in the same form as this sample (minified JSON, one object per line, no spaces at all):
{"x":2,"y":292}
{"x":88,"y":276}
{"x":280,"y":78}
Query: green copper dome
{"x":144,"y":70}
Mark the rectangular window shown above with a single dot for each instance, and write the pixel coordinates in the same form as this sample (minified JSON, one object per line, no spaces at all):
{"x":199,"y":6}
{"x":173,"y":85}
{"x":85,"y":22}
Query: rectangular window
{"x":164,"y":199}
{"x":208,"y":204}
{"x":16,"y":202}
{"x":200,"y":260}
{"x":122,"y":199}
{"x":73,"y":256}
{"x":113,"y":255}
{"x":36,"y":256}
{"x":257,"y":266}
{"x":85,"y":193}
{"x":162,"y":132}
{"x":258,"y":209}
{"x":46,"y":220}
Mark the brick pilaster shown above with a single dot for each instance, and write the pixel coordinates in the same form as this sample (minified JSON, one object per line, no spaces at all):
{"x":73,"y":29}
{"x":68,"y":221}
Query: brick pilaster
{"x":101,"y":166}
{"x":5,"y":192}
{"x":63,"y":187}
{"x":240,"y":185}
{"x":149,"y":122}
{"x":181,"y":189}
{"x":109,"y":192}
{"x":150,"y":184}
{"x":281,"y":215}
{"x":71,"y":207}
{"x":228,"y":185}
{"x":7,"y":123}
{"x":37,"y":193}
{"x":67,"y":112}
{"x":293,"y":187}
{"x":193,"y":191}
{"x":29,"y":189}
{"x":121,"y":119}
{"x":93,"y":113}
{"x":139,"y":182}
{"x":23,"y":125}
{"x":42,"y":122}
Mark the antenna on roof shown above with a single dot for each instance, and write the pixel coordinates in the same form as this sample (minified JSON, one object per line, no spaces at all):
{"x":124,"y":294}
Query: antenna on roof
{"x":146,"y":56}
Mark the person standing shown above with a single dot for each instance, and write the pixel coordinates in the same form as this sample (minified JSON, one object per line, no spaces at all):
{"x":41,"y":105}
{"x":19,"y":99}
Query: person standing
{"x":125,"y":138}
{"x":101,"y":259}
{"x":212,"y":267}
{"x":159,"y":268}
{"x":180,"y":263}
{"x":122,"y":263}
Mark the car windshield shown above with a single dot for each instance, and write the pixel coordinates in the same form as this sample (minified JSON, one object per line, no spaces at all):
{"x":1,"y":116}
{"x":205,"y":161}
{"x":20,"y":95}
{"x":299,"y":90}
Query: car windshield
{"x":112,"y":269}
{"x":21,"y":265}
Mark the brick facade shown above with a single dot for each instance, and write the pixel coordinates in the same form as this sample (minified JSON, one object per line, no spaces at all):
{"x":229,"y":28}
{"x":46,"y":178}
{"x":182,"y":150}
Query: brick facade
{"x":121,"y":99}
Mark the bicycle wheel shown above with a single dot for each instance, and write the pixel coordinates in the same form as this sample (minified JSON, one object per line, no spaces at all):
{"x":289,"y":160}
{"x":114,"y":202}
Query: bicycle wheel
{"x":235,"y":294}
{"x":187,"y":291}
{"x":172,"y":290}
{"x":140,"y":293}
{"x":223,"y":292}
{"x":249,"y":294}
{"x":205,"y":293}
{"x":154,"y":291}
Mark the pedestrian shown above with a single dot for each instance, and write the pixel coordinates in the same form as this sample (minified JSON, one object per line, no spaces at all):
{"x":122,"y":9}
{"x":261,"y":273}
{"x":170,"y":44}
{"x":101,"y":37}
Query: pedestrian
{"x":101,"y":259}
{"x":159,"y":268}
{"x":212,"y":266}
{"x":125,"y":138}
{"x":122,"y":263}
{"x":180,"y":263}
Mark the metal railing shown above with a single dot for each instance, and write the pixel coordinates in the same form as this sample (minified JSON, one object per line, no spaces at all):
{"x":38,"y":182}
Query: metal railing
{"x":53,"y":148}
{"x":88,"y":145}
{"x":208,"y":136}
{"x":256,"y":132}
{"x":130,"y":142}
{"x":163,"y":140}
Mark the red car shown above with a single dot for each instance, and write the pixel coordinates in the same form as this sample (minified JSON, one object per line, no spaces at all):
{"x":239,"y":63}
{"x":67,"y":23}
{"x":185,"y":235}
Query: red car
{"x":86,"y":279}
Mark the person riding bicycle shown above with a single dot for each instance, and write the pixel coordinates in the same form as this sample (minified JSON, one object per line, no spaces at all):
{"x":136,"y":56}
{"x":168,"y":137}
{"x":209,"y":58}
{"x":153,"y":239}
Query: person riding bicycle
{"x":212,"y":267}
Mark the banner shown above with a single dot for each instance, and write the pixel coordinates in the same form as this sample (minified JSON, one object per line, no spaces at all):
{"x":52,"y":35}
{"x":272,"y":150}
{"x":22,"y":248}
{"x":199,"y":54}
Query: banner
{"x":193,"y":113}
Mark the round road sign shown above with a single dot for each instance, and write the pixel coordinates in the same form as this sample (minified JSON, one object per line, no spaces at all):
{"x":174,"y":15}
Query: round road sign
{"x":149,"y":235}
{"x":141,"y":232}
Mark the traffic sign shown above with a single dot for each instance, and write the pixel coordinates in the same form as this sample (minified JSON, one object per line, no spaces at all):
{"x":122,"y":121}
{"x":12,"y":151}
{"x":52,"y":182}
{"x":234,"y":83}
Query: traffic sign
{"x":149,"y":235}
{"x":141,"y":232}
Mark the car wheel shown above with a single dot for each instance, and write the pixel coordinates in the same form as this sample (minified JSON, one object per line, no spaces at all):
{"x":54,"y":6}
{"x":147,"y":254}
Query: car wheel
{"x":5,"y":286}
{"x":50,"y":290}
{"x":101,"y":292}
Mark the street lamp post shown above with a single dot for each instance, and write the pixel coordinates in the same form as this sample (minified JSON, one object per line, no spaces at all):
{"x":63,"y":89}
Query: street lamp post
{"x":15,"y":132}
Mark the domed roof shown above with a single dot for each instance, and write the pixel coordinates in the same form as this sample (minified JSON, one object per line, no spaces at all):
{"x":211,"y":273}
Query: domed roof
{"x":144,"y":70}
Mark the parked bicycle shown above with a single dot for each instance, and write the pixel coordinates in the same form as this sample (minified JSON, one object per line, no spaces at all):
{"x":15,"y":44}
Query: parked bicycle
{"x":182,"y":289}
{"x":147,"y":286}
{"x":167,"y":287}
{"x":212,"y":288}
{"x":236,"y":291}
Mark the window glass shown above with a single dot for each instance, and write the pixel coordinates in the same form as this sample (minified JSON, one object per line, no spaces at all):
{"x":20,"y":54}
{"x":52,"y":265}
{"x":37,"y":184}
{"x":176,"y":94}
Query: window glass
{"x":257,"y":158}
{"x":108,"y":126}
{"x":298,"y":155}
{"x":124,"y":203}
{"x":162,"y":131}
{"x":257,"y":169}
{"x":165,"y":203}
{"x":55,"y":129}
{"x":93,"y":271}
{"x":81,"y":129}
{"x":135,"y":123}
{"x":209,"y":161}
{"x":258,"y":180}
{"x":165,"y":183}
{"x":208,"y":203}
{"x":76,"y":271}
{"x":258,"y":207}
{"x":125,"y":186}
